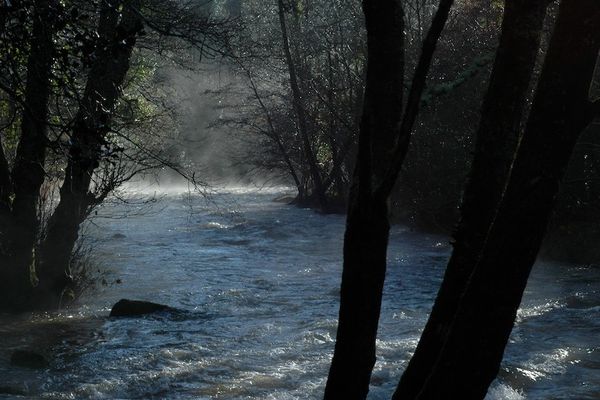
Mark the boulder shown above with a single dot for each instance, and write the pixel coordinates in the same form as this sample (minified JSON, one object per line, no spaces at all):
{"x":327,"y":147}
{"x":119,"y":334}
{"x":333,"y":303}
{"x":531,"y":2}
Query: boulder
{"x":135,"y":308}
{"x":28,"y":359}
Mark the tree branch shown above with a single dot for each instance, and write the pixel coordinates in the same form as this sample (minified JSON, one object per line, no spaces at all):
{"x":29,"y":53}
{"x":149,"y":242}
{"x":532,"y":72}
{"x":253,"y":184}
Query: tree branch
{"x":414,"y":97}
{"x":274,"y":133}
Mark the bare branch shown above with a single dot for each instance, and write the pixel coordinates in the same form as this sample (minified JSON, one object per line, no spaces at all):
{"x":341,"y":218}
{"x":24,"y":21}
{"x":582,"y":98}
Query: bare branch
{"x":414,"y":97}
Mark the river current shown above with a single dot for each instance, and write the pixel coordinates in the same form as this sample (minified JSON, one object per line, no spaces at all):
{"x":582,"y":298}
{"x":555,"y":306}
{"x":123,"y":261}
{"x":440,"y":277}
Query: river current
{"x":258,"y":285}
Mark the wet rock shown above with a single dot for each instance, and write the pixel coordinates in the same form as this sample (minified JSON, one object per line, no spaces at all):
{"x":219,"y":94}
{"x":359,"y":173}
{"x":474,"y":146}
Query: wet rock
{"x":28,"y":359}
{"x":135,"y":308}
{"x":285,"y":199}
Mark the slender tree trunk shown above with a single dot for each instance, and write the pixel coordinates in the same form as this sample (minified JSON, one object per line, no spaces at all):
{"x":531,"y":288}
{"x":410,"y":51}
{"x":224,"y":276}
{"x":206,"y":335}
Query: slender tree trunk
{"x":383,"y":141}
{"x":495,"y":146}
{"x":367,"y":226}
{"x":28,"y":172}
{"x":92,"y":123}
{"x":301,"y":114}
{"x":473,"y":350}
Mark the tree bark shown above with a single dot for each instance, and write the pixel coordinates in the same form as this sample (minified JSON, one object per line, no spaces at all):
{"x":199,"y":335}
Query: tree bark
{"x":301,"y":114}
{"x":92,"y":123}
{"x":28,"y":172}
{"x":473,"y":350}
{"x":495,"y":147}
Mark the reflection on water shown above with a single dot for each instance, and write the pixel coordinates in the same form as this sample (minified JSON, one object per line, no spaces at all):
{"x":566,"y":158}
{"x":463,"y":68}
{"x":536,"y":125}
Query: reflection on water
{"x":259,"y":283}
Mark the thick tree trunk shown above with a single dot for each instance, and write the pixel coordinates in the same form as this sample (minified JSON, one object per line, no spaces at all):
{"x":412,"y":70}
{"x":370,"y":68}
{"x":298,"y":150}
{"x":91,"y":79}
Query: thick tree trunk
{"x":495,"y":147}
{"x":311,"y":159}
{"x":92,"y":123}
{"x":473,"y":350}
{"x":28,"y":172}
{"x":365,"y":249}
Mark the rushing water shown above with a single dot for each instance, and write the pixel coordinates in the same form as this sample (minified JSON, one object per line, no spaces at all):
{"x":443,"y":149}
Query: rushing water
{"x":258,"y":285}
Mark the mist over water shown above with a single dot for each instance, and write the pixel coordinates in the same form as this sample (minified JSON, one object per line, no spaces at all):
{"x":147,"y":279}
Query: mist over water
{"x":221,"y":150}
{"x":257,"y":283}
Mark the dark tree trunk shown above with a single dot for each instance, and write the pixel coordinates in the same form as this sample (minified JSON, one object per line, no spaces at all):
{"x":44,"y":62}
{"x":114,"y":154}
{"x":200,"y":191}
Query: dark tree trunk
{"x":92,"y":123}
{"x":28,"y":172}
{"x":367,"y":226}
{"x":365,"y":249}
{"x":315,"y":174}
{"x":473,"y":350}
{"x":383,"y":139}
{"x":495,"y":147}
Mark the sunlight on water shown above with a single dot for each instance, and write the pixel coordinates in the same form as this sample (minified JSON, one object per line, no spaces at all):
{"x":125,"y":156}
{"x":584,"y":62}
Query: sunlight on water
{"x":504,"y":392}
{"x":257,"y":283}
{"x":535,"y":311}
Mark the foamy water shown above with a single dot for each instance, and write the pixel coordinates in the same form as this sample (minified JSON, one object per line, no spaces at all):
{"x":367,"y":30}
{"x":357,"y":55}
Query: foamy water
{"x":258,"y":285}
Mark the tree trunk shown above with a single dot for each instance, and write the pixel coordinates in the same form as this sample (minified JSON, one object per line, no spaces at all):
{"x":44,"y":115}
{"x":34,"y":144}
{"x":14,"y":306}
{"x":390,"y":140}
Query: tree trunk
{"x":367,"y":226}
{"x":365,"y":249}
{"x":473,"y":350}
{"x":28,"y":172}
{"x":92,"y":123}
{"x":383,"y":141}
{"x":301,"y":114}
{"x":495,"y":147}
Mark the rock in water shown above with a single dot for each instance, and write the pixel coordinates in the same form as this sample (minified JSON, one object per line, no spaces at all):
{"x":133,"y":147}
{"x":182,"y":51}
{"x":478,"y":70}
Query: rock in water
{"x":28,"y":359}
{"x":285,"y":199}
{"x":134,"y":308}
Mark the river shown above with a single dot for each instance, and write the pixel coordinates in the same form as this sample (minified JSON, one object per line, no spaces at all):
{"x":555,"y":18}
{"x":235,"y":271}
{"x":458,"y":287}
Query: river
{"x":258,"y":283}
